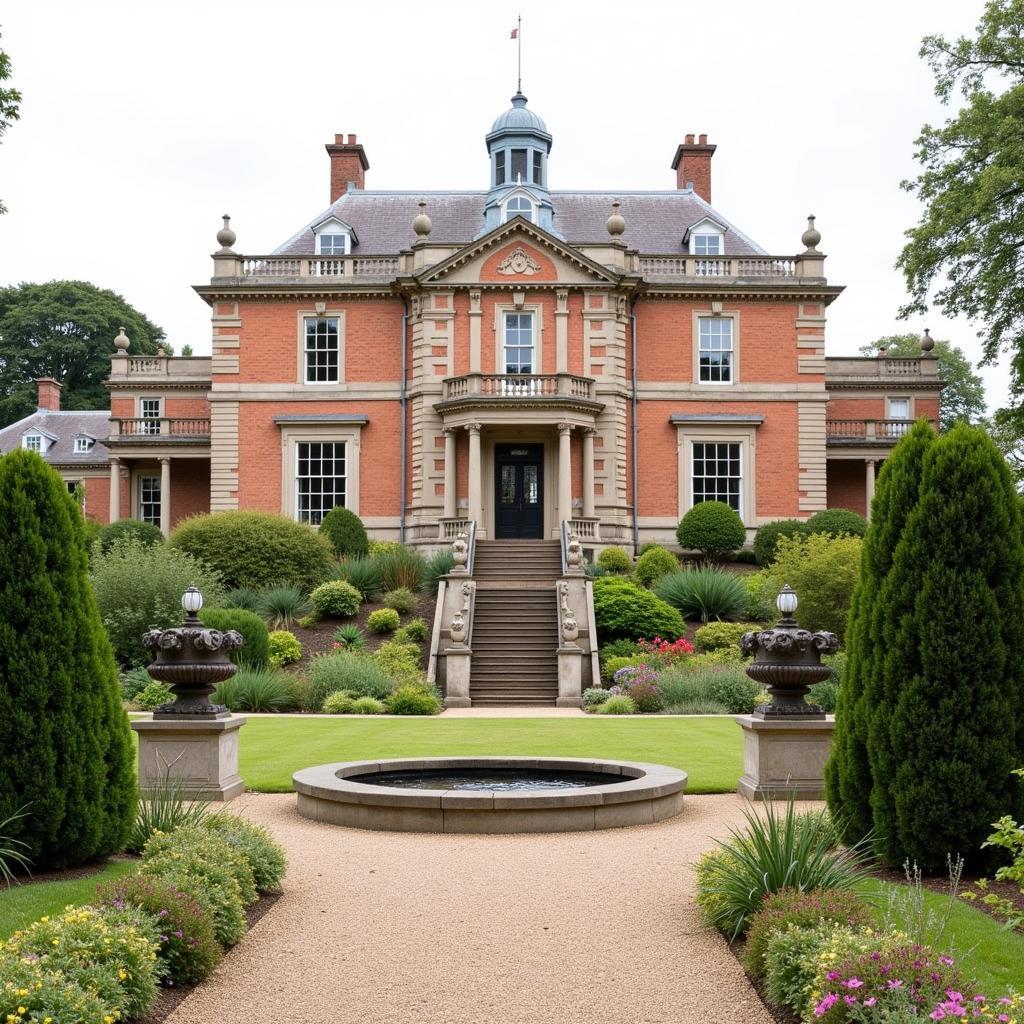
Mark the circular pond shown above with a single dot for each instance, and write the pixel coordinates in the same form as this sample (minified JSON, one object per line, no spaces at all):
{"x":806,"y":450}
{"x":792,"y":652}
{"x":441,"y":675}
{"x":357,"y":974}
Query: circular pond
{"x":489,"y":794}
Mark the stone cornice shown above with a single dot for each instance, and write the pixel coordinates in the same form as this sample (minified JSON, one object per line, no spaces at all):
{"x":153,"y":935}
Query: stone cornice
{"x":488,"y":403}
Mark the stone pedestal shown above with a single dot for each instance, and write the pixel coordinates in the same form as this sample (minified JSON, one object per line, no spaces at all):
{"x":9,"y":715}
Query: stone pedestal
{"x":457,"y":663}
{"x":784,"y":758}
{"x":570,"y":677}
{"x":202,"y":755}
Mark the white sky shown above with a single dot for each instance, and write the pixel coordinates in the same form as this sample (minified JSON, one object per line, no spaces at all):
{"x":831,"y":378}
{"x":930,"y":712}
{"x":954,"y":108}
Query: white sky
{"x":143,"y":122}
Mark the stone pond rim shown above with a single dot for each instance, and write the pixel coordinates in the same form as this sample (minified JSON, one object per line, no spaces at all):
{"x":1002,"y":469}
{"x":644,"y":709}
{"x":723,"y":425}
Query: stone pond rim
{"x":637,"y":793}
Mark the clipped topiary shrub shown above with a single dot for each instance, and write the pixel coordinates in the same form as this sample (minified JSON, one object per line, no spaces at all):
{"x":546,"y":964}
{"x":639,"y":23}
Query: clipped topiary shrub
{"x":622,"y":610}
{"x":345,"y":530}
{"x":712,"y":528}
{"x":836,"y":522}
{"x":144,"y":533}
{"x":336,"y":599}
{"x":67,"y":748}
{"x":255,"y":652}
{"x":402,"y":600}
{"x":615,"y":559}
{"x":654,"y":563}
{"x":767,"y":537}
{"x":139,"y":587}
{"x":284,"y":648}
{"x":256,"y":549}
{"x":383,"y":620}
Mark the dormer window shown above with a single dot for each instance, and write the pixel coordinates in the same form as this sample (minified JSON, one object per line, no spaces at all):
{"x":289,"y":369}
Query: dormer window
{"x":332,"y":245}
{"x":334,"y":237}
{"x":706,"y":245}
{"x":519,"y":206}
{"x":83,"y":445}
{"x":33,"y":443}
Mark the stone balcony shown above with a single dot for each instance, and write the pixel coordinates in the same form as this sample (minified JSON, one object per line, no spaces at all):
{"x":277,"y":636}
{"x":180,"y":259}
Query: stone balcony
{"x":861,"y":432}
{"x":500,"y":390}
{"x":138,"y":430}
{"x":868,"y":371}
{"x":164,"y":370}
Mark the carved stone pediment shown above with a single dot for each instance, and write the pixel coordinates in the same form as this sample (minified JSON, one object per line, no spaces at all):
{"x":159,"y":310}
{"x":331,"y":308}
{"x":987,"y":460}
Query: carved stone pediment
{"x":519,"y":261}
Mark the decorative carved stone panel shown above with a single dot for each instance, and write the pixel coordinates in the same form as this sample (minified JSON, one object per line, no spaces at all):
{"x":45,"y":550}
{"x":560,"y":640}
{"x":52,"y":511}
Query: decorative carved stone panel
{"x":519,"y":261}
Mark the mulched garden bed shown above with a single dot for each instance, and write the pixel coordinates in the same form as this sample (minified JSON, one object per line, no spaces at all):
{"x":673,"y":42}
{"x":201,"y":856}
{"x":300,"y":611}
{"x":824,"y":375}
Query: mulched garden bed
{"x":320,"y":638}
{"x":169,"y":999}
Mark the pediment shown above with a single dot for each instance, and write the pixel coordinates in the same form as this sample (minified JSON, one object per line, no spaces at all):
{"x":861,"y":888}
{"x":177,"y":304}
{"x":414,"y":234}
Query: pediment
{"x":518,"y":253}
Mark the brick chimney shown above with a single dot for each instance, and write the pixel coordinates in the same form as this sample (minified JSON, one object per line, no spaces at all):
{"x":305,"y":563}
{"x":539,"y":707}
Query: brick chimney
{"x":49,"y":393}
{"x":692,"y":165}
{"x":348,"y":165}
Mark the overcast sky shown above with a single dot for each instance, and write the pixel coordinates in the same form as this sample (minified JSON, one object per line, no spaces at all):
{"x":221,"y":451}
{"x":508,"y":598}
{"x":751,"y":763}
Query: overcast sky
{"x":143,"y":122}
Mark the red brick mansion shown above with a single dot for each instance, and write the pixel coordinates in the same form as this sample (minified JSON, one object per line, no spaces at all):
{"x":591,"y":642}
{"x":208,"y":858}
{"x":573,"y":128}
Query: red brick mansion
{"x":514,"y":356}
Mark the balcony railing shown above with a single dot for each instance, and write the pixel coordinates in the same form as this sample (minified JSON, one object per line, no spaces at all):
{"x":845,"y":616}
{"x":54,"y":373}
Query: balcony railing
{"x":885,"y":431}
{"x":847,"y":369}
{"x":518,"y":385}
{"x":718,"y":266}
{"x":165,"y":428}
{"x":160,"y":369}
{"x":319,"y":266}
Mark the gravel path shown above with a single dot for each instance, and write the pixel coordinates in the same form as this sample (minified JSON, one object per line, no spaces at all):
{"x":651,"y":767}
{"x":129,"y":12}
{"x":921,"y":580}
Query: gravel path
{"x":387,"y":928}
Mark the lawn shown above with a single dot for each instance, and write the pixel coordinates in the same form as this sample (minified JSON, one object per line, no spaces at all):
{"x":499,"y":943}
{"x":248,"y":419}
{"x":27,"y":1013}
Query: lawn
{"x":20,"y":905}
{"x":709,"y":749}
{"x":986,"y":951}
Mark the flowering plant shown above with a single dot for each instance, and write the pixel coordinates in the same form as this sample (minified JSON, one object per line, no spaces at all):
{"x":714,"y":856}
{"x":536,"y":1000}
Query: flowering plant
{"x":632,"y":675}
{"x":899,"y":1008}
{"x":894,"y":971}
{"x":667,"y":651}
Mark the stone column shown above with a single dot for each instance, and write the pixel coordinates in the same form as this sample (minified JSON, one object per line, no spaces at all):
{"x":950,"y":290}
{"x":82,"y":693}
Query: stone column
{"x":588,"y":472}
{"x":165,"y":496}
{"x":115,"y":490}
{"x":475,"y":481}
{"x":869,"y":484}
{"x":450,"y":497}
{"x":565,"y":471}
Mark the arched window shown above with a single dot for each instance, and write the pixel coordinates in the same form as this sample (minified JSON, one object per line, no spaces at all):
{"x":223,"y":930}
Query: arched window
{"x":519,"y":206}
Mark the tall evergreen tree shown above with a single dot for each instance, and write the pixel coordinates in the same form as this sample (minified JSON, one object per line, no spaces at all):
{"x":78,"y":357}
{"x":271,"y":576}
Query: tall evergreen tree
{"x":848,"y":781}
{"x":67,"y":750}
{"x":953,"y":675}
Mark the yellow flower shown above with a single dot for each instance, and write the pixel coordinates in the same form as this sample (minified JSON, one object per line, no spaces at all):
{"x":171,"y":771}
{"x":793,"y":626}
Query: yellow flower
{"x":46,"y":918}
{"x":122,"y":973}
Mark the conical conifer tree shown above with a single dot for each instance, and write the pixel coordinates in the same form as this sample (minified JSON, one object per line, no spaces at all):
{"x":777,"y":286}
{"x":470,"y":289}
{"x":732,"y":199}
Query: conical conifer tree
{"x":952,"y":676}
{"x":65,"y":746}
{"x":848,"y":781}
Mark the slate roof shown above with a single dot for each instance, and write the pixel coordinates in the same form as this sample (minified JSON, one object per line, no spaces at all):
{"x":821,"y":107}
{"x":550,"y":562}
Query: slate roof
{"x":655,"y":221}
{"x":65,"y":427}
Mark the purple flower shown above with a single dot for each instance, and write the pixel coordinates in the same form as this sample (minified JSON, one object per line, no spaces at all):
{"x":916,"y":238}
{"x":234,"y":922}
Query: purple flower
{"x":894,"y":983}
{"x":946,"y":961}
{"x":850,"y":1000}
{"x":163,"y":913}
{"x":871,"y":1001}
{"x":178,"y":934}
{"x":826,"y":1004}
{"x":853,"y":983}
{"x":832,"y":975}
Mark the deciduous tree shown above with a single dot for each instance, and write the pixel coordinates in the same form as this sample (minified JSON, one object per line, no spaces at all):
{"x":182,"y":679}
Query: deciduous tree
{"x":10,"y":102}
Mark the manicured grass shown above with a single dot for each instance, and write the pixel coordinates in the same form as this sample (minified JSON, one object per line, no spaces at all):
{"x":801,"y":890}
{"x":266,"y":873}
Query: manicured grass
{"x":20,"y":905}
{"x":710,"y":750}
{"x":986,"y":951}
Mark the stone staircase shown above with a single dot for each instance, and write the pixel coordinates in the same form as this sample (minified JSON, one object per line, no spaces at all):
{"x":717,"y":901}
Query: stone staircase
{"x":515,"y":623}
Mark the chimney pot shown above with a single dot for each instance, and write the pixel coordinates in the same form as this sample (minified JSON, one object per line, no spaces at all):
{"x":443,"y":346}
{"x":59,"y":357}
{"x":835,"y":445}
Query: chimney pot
{"x":689,"y":140}
{"x":339,"y":140}
{"x":49,"y":393}
{"x":352,"y":140}
{"x":702,"y":139}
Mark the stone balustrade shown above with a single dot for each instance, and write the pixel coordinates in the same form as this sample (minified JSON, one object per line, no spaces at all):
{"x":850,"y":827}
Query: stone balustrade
{"x":151,"y":428}
{"x":519,"y":385}
{"x":871,"y":431}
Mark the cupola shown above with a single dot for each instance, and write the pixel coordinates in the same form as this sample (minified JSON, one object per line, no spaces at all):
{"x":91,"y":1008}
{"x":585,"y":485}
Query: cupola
{"x":518,"y":145}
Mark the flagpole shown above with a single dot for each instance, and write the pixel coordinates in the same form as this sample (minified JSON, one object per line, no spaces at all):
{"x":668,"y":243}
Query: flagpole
{"x":519,"y":48}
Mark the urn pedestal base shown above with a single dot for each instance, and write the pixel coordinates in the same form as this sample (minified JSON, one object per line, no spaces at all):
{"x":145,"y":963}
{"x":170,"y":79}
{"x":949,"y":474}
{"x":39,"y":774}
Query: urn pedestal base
{"x":784,"y":758}
{"x":201,"y":755}
{"x":457,"y":668}
{"x":570,"y":677}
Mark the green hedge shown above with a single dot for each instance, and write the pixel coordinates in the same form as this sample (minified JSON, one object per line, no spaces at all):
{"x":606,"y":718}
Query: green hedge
{"x":624,"y":611}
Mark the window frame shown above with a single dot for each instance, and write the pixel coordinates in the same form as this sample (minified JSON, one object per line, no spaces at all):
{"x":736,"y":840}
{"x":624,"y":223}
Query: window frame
{"x":500,"y":163}
{"x":303,"y":368}
{"x":293,"y":434}
{"x":731,"y":351}
{"x":726,"y":443}
{"x":298,"y":459}
{"x":709,"y":314}
{"x":346,"y":247}
{"x":83,"y":445}
{"x":38,"y":446}
{"x":145,"y":479}
{"x":530,"y":317}
{"x":151,"y":427}
{"x":899,"y":398}
{"x":537,"y":166}
{"x":519,"y":198}
{"x":703,"y":236}
{"x":744,"y":434}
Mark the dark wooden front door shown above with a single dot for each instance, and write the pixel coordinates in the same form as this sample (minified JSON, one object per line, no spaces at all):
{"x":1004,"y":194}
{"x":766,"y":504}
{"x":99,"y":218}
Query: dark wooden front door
{"x":519,"y":490}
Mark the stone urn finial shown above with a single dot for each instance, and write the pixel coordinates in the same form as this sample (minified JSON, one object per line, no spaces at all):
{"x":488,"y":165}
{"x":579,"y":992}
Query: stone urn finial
{"x":616,"y":223}
{"x":811,"y":237}
{"x":570,"y":627}
{"x":460,"y":552}
{"x":927,"y":343}
{"x":574,"y":552}
{"x":787,"y":661}
{"x":421,"y":223}
{"x":121,"y":342}
{"x":226,"y":236}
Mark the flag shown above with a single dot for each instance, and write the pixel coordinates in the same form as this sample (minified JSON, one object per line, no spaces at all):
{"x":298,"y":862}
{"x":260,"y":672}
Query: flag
{"x":515,"y":34}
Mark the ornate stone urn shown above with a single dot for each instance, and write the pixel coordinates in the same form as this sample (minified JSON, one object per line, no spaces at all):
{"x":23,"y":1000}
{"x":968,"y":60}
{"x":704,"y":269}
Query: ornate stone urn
{"x":787,"y":661}
{"x":192,"y":660}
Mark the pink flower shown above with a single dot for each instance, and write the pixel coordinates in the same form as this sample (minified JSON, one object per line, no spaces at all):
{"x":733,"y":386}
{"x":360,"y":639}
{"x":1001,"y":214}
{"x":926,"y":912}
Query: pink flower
{"x":826,"y":1004}
{"x":938,"y":1013}
{"x":946,"y":961}
{"x":894,"y":983}
{"x":832,"y":975}
{"x":871,"y":1001}
{"x":853,"y":983}
{"x":850,"y":1000}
